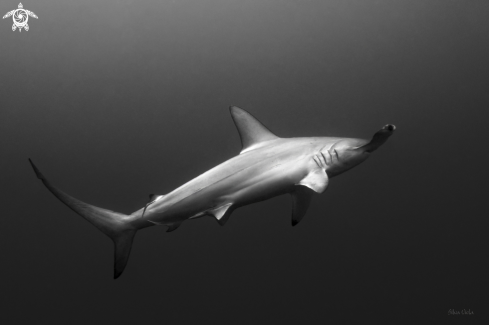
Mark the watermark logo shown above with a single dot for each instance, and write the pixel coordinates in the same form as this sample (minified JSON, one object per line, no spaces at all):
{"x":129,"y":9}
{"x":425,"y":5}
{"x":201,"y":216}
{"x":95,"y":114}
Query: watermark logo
{"x":460,"y":312}
{"x":20,"y":17}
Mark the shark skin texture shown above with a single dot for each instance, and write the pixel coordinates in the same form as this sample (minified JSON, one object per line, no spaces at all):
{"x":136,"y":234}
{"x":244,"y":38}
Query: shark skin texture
{"x":266,"y":167}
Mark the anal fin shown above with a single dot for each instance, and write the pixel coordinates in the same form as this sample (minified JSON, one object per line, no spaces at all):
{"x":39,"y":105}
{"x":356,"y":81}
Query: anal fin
{"x":173,"y":227}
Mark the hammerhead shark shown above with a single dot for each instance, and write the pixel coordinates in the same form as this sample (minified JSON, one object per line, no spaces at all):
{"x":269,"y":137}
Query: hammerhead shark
{"x":267,"y":166}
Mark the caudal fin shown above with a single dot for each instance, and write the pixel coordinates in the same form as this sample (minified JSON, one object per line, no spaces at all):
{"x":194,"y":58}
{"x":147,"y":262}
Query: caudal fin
{"x":113,"y":224}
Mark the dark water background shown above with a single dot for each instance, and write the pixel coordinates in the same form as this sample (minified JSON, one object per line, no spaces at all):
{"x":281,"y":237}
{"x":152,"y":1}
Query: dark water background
{"x":117,"y":99}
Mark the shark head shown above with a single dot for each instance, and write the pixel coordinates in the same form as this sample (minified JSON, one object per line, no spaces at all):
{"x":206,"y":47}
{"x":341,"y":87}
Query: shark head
{"x":348,"y":153}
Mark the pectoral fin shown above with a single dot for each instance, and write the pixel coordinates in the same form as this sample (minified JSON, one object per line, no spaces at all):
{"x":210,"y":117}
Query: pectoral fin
{"x":317,"y":180}
{"x":301,"y":197}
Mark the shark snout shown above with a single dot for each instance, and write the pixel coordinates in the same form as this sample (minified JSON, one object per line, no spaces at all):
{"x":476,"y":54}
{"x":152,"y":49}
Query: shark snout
{"x":379,"y":138}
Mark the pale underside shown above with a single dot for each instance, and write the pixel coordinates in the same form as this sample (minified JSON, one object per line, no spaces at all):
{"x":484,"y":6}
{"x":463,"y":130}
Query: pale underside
{"x":266,"y":167}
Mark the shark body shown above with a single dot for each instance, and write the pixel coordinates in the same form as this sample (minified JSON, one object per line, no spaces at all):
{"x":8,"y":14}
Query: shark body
{"x":267,"y":166}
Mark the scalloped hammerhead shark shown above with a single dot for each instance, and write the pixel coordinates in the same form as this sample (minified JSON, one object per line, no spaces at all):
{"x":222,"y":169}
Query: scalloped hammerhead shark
{"x":267,"y":166}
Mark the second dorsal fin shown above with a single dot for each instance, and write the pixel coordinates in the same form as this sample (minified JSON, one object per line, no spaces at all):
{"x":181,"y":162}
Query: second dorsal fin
{"x":251,"y":131}
{"x":152,"y":199}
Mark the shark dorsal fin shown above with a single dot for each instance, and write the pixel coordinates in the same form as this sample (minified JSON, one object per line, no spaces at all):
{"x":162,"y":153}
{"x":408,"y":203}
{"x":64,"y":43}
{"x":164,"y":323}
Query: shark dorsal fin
{"x":251,"y":131}
{"x":152,"y":199}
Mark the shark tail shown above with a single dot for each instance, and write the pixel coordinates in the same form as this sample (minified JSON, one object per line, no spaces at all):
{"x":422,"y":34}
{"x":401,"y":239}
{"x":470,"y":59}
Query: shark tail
{"x":115,"y":225}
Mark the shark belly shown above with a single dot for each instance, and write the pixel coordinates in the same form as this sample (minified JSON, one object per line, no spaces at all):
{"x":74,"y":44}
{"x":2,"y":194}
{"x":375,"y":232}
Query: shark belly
{"x":257,"y":176}
{"x":267,"y":166}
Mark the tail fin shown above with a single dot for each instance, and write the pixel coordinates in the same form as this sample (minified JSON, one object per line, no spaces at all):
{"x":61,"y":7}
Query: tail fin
{"x":113,"y":224}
